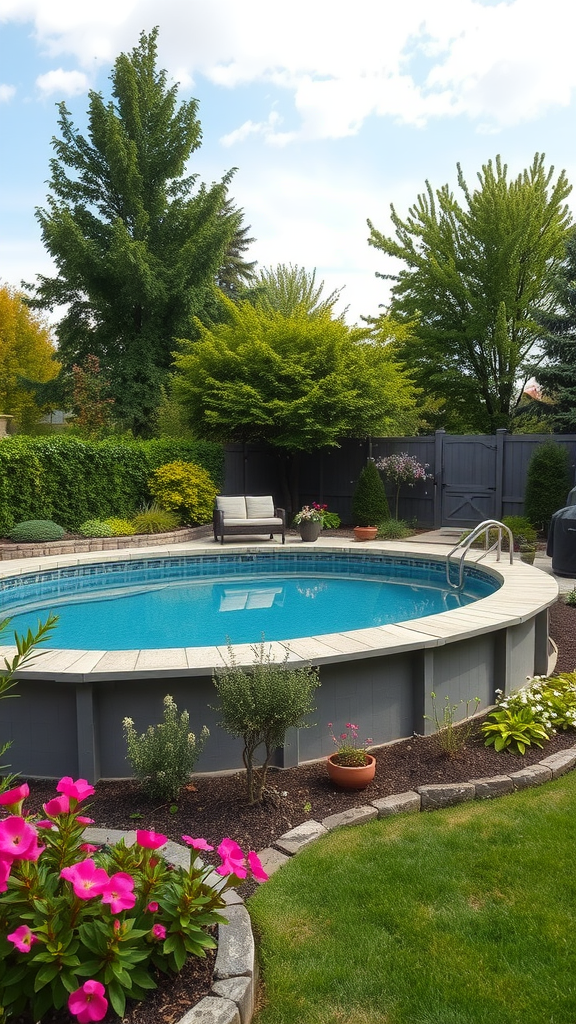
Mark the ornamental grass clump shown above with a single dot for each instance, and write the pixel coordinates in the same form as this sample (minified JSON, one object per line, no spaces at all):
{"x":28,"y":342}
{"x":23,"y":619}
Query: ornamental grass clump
{"x":82,"y":925}
{"x":259,"y":704}
{"x":163,"y":757}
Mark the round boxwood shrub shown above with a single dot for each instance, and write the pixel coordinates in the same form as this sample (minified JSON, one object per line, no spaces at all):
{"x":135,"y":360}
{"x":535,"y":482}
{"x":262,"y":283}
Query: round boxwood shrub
{"x":36,"y":530}
{"x":369,"y":504}
{"x":95,"y":528}
{"x":185,"y":489}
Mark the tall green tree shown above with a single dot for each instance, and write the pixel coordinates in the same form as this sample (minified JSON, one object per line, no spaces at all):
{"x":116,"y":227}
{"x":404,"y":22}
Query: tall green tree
{"x":296,"y":381}
{"x":474,"y":281}
{"x":236,"y":272}
{"x":26,"y":358}
{"x":136,"y":242}
{"x":557,"y":374}
{"x":288,"y":289}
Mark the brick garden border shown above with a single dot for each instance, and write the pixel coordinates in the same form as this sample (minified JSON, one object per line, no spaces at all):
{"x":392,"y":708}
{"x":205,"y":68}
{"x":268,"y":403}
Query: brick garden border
{"x":236,"y":968}
{"x":80,"y":545}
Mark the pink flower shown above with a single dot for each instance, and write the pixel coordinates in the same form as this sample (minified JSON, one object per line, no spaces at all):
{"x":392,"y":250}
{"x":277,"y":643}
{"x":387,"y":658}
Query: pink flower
{"x":13,"y":799}
{"x":16,"y":838}
{"x":58,"y":805}
{"x":87,"y":880}
{"x":232,"y":859}
{"x":119,"y":892}
{"x":88,"y":1002}
{"x":5,"y":868}
{"x":22,"y":938}
{"x":45,"y":824}
{"x":152,"y":907}
{"x":198,"y":844}
{"x":88,"y":848}
{"x":78,"y":790}
{"x":159,"y":931}
{"x":255,"y":866}
{"x":84,"y":821}
{"x":150,"y":840}
{"x":33,"y":851}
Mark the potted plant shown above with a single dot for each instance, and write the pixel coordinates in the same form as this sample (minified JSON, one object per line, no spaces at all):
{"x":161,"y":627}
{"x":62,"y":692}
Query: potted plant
{"x":310,"y":521}
{"x":527,"y":552}
{"x":351,"y":767}
{"x":369,"y":504}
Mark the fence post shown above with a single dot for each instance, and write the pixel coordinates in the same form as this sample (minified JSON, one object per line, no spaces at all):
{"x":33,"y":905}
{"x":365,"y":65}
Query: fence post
{"x":498,"y":494}
{"x":438,"y":476}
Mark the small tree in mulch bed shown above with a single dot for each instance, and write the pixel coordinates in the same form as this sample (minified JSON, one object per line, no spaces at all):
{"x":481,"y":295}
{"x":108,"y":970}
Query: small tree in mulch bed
{"x":259,"y":704}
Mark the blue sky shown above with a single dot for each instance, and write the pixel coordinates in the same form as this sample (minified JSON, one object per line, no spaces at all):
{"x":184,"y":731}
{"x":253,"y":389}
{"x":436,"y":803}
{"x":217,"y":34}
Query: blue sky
{"x":331,"y":111}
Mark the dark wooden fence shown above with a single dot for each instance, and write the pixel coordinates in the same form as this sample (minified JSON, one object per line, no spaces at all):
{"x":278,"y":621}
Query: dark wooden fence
{"x":472,"y":477}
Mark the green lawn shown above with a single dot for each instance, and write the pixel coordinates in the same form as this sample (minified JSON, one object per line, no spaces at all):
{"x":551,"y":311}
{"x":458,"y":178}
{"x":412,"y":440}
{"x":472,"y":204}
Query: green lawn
{"x":461,"y":916}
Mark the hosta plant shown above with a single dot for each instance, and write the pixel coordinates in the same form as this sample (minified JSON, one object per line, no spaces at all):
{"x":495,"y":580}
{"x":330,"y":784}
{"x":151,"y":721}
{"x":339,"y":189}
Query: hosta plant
{"x":514,"y":729}
{"x":82,"y":926}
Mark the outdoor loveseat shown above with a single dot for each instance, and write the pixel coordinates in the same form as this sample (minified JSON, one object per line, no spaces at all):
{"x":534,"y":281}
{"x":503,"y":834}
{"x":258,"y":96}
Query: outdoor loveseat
{"x":242,"y":514}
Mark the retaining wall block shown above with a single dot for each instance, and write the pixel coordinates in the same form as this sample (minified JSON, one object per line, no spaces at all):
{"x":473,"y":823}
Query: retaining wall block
{"x":496,"y":785}
{"x":533,"y":775}
{"x":294,"y":840}
{"x":560,"y":762}
{"x":236,"y":955}
{"x":399,"y":803}
{"x":272,"y":859}
{"x":353,"y":816}
{"x":239,"y":991}
{"x":212,"y":1010}
{"x":440,"y":795}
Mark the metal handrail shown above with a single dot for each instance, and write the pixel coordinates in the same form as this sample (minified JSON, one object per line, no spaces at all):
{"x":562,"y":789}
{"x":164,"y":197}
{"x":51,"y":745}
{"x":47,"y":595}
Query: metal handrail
{"x":466,"y":542}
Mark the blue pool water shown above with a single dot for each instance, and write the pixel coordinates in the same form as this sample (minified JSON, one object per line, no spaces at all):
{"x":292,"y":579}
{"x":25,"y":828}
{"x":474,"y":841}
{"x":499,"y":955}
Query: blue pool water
{"x":195,"y":601}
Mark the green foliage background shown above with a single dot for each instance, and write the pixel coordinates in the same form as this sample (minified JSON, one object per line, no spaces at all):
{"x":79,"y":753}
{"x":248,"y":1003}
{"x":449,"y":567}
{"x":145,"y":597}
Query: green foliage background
{"x":69,"y":480}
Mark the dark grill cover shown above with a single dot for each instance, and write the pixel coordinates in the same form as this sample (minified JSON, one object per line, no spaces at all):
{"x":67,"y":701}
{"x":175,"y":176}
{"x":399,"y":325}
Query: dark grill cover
{"x":562,"y":541}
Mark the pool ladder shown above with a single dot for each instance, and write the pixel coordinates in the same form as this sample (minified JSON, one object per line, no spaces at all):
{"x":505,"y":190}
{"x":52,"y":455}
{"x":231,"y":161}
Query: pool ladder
{"x":465,"y":543}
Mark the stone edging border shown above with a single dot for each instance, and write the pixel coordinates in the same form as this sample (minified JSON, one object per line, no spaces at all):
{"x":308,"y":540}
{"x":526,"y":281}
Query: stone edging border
{"x":80,"y":545}
{"x":236,"y":968}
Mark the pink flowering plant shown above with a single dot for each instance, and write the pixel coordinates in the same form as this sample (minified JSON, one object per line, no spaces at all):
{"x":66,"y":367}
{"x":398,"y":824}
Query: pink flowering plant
{"x":84,"y":926}
{"x":313,"y":513}
{"x":350,"y":753}
{"x":402,"y":469}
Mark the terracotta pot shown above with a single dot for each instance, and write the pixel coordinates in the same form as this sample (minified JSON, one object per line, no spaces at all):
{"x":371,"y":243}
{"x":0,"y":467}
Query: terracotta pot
{"x":365,"y":532}
{"x":346,"y":777}
{"x":309,"y":530}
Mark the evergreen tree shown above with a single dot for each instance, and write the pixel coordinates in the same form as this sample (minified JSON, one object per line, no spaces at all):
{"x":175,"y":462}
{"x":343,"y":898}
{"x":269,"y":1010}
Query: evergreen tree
{"x":557,"y":374}
{"x":236,"y":273}
{"x":548,"y":481}
{"x":369,"y":502}
{"x":474,"y":280}
{"x":137,"y":245}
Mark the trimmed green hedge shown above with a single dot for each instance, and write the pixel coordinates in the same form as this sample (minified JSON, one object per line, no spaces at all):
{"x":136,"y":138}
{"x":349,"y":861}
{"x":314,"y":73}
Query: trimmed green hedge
{"x":69,"y":480}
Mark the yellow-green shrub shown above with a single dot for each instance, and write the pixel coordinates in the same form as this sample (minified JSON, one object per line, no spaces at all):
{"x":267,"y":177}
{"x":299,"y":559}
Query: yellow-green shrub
{"x":185,"y":489}
{"x":120,"y":527}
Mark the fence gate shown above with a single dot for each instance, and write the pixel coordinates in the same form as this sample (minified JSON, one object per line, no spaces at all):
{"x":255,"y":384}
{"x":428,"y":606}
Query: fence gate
{"x":471,"y":479}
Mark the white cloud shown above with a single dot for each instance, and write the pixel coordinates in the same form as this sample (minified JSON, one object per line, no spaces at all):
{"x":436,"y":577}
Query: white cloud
{"x":65,"y":83}
{"x":7,"y":92}
{"x":498,"y":63}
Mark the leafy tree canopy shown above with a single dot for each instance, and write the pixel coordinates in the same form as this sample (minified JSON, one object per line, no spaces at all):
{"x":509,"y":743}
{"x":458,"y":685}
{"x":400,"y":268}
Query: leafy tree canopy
{"x":557,"y":374}
{"x":26,"y":355}
{"x":473,"y":282}
{"x":296,"y":381}
{"x":137,"y":243}
{"x":288,"y":289}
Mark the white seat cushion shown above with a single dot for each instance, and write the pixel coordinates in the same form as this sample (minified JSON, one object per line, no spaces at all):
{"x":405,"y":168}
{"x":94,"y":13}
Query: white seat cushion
{"x":259,"y":506}
{"x":233,"y":506}
{"x":273,"y":521}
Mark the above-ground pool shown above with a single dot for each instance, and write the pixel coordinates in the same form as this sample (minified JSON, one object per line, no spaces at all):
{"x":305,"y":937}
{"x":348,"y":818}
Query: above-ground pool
{"x":194,"y":601}
{"x":73,"y":698}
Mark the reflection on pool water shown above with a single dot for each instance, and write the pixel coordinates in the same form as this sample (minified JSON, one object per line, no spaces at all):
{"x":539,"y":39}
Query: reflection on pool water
{"x":195,"y":602}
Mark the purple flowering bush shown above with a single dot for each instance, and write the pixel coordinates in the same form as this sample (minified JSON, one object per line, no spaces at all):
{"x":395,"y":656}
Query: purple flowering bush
{"x":83,"y":926}
{"x":402,"y":469}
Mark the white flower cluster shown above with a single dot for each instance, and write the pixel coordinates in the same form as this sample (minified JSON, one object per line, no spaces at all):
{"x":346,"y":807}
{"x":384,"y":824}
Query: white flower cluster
{"x":551,"y":699}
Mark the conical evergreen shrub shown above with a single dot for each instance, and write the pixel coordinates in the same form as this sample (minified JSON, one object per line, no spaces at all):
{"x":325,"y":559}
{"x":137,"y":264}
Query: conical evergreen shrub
{"x":547,"y":484}
{"x":369,"y":504}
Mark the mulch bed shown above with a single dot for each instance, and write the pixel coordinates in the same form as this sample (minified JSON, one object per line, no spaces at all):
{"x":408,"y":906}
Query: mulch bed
{"x":215,"y":807}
